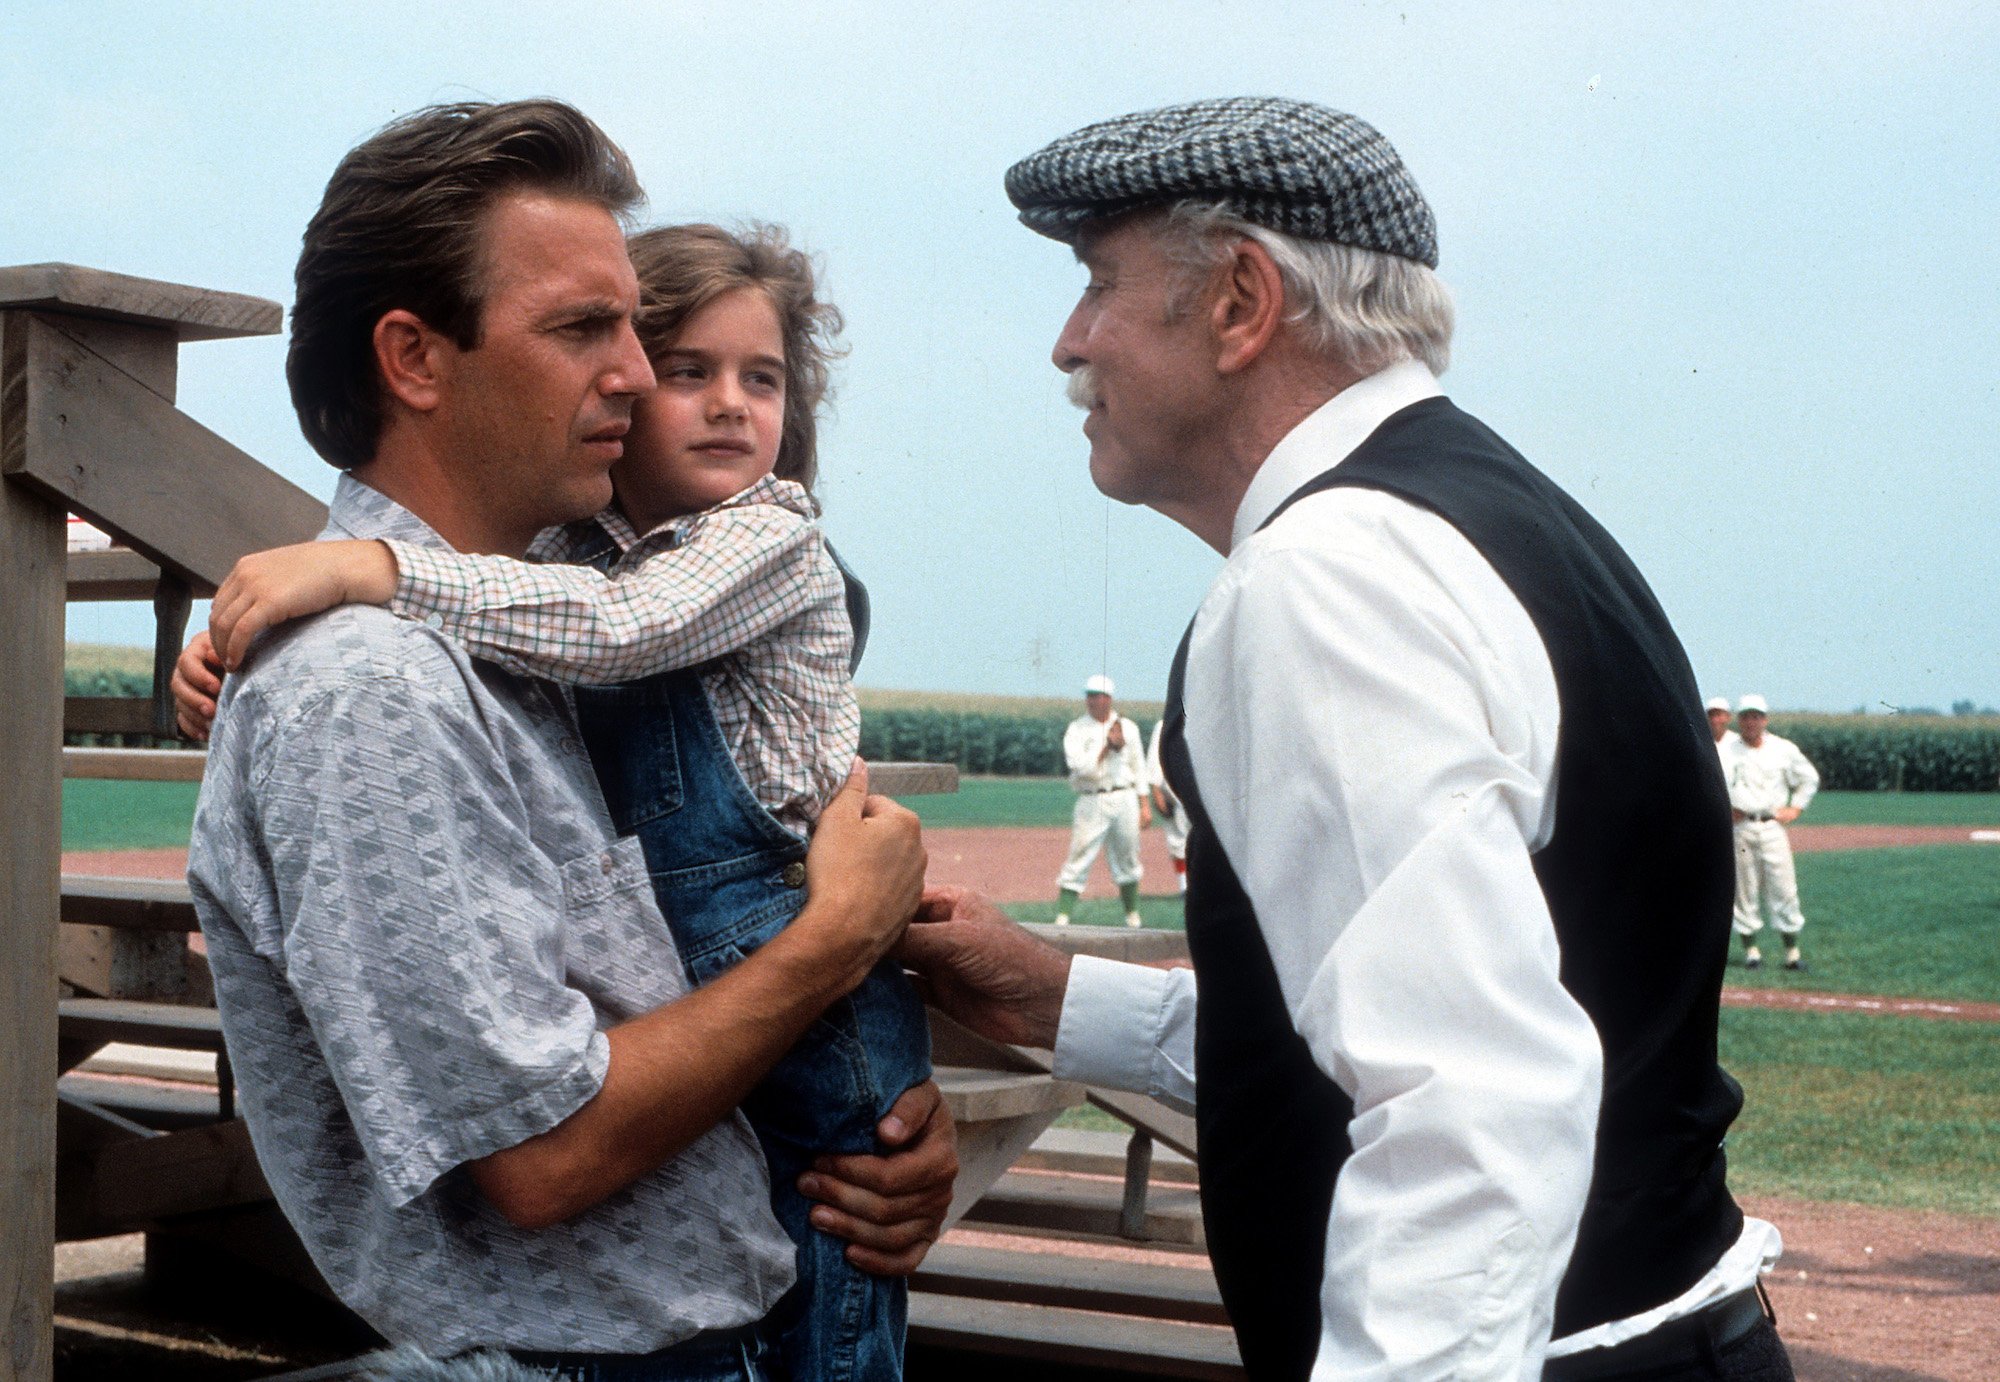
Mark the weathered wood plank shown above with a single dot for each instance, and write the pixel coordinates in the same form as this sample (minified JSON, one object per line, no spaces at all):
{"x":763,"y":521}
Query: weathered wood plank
{"x":1053,"y":1278}
{"x":136,"y":765}
{"x":912,"y":779}
{"x":105,"y":1020}
{"x":104,"y":445}
{"x":1091,"y":1152}
{"x":1115,"y":942}
{"x":107,"y":715}
{"x":126,"y":904}
{"x":1073,"y":1205}
{"x":117,"y":574}
{"x":185,"y":1172}
{"x":126,"y":964}
{"x":185,"y":313}
{"x":1078,"y":1338}
{"x":957,"y":1045}
{"x":32,"y":568}
{"x":978,"y":1096}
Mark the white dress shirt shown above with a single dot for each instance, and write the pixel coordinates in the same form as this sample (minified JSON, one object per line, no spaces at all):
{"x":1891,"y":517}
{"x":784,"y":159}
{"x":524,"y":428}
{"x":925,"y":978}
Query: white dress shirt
{"x":1091,"y":769}
{"x":1364,"y":679}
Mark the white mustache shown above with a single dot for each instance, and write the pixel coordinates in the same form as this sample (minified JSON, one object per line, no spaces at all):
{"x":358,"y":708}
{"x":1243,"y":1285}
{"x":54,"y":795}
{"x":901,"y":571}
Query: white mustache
{"x":1082,"y":387}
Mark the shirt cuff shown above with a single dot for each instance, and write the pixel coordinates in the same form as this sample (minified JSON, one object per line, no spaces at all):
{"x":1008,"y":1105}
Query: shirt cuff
{"x":1111,"y":1023}
{"x":424,"y":583}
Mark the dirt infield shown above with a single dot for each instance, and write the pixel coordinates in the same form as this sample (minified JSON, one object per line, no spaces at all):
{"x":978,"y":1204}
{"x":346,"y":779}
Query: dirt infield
{"x":1799,"y":1000}
{"x":1885,"y":1295}
{"x":1810,"y":839}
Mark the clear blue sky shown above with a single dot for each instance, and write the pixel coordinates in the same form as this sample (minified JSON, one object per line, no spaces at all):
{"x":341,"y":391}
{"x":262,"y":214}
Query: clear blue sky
{"x":1729,"y":275}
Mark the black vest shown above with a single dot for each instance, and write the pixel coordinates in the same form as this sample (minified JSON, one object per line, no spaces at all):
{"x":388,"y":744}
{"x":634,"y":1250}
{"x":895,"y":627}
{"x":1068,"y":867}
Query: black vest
{"x":1639,"y":879}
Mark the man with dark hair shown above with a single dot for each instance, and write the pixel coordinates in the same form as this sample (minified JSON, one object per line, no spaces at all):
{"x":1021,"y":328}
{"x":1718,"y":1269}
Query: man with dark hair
{"x":1459,"y":863}
{"x":477,"y":1080}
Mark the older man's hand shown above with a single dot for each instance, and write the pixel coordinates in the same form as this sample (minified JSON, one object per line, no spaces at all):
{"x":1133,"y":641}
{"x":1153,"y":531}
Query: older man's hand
{"x":980,"y":968}
{"x":890,"y":1208}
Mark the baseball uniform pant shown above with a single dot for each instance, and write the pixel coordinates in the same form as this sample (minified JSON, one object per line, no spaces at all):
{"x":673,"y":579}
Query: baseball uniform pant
{"x":1108,"y":821}
{"x":1765,"y":879}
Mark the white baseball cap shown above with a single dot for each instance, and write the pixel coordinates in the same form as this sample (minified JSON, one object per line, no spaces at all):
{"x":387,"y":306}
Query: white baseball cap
{"x":1099,"y":685}
{"x":1719,"y":703}
{"x":1756,"y":703}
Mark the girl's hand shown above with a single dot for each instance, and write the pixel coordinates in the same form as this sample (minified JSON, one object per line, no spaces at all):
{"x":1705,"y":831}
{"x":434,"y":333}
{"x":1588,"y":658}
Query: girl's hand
{"x":196,"y":682}
{"x":265,"y":589}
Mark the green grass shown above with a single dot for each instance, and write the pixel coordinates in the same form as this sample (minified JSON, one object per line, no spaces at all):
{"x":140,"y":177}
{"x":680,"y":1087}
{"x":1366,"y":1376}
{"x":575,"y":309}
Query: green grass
{"x":126,"y":815}
{"x":1903,"y":808}
{"x":1921,"y":922}
{"x":108,"y":657}
{"x":998,"y":801}
{"x":1891,"y":1111}
{"x":1894,"y":1111}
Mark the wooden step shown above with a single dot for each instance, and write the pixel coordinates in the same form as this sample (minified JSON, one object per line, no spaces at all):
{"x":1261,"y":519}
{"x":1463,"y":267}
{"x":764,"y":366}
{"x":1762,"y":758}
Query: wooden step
{"x":1076,"y":1338}
{"x":1111,"y":1285}
{"x":105,"y":1020}
{"x":1083,"y":1205}
{"x":1095,"y":1153}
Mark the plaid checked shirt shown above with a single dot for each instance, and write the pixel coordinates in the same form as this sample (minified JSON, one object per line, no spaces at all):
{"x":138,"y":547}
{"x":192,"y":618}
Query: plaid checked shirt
{"x":746,"y":591}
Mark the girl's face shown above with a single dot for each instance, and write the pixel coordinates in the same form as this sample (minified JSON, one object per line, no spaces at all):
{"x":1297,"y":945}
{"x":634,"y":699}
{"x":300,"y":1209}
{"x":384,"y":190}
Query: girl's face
{"x":713,"y":425}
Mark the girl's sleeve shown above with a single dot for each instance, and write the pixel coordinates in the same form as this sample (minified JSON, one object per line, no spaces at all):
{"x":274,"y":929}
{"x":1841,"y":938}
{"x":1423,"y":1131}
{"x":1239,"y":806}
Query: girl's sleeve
{"x":740,"y":574}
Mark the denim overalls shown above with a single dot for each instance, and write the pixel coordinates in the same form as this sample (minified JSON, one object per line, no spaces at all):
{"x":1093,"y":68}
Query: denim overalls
{"x":728,"y":877}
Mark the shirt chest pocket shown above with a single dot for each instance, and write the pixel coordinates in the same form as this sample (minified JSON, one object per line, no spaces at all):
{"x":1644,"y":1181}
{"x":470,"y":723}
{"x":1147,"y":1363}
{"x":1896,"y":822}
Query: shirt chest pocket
{"x":616,"y":948}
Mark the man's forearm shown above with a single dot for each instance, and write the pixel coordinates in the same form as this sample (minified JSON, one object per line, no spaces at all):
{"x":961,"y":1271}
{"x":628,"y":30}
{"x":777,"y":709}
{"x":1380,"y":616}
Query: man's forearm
{"x":675,"y":1072}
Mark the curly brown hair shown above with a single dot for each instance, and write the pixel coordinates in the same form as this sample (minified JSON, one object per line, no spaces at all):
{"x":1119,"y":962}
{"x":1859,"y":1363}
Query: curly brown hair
{"x":684,"y":268}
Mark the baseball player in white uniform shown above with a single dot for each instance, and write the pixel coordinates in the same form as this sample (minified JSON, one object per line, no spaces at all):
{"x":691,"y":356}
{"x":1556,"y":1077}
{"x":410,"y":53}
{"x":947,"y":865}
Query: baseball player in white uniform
{"x":1770,"y":784}
{"x":1107,"y":767}
{"x":1718,"y":725}
{"x":1173,"y":820}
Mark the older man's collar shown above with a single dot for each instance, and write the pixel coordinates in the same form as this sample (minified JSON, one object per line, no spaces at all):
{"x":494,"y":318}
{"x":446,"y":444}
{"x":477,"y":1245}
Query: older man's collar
{"x":361,"y":511}
{"x":1328,"y":437}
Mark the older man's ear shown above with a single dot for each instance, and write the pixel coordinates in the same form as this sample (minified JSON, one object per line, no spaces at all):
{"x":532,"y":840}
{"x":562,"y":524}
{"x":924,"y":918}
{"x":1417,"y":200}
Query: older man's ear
{"x":1248,"y":308}
{"x":978,"y":967}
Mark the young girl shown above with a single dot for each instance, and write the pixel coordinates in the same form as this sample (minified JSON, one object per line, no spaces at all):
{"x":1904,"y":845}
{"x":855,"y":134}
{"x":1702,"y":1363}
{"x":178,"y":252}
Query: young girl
{"x":705,"y":627}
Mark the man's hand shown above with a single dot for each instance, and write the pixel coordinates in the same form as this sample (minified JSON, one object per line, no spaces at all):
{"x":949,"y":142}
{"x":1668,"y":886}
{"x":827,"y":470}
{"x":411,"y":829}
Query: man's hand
{"x":1145,"y":813}
{"x":1114,"y":738}
{"x":890,"y":1208}
{"x":267,"y":588}
{"x":1160,"y":802}
{"x":980,"y":968}
{"x":864,"y":873}
{"x":1785,"y":815}
{"x":196,"y":682}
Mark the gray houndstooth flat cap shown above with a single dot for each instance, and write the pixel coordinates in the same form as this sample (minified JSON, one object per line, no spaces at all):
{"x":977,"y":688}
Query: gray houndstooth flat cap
{"x":1293,"y":166}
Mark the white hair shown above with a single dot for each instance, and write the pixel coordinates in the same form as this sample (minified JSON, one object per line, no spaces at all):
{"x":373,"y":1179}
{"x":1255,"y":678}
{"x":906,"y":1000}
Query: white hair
{"x":1363,"y":307}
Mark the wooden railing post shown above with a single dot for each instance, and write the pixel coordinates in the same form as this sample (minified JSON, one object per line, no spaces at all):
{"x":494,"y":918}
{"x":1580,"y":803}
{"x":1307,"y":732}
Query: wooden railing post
{"x":88,"y":367}
{"x":32,"y":575}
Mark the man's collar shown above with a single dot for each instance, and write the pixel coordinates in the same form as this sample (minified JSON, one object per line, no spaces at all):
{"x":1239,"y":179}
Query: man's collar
{"x":1329,"y":436}
{"x":361,"y":511}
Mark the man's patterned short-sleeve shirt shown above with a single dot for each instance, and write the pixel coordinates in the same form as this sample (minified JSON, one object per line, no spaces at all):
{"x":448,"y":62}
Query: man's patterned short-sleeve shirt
{"x":421,"y":923}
